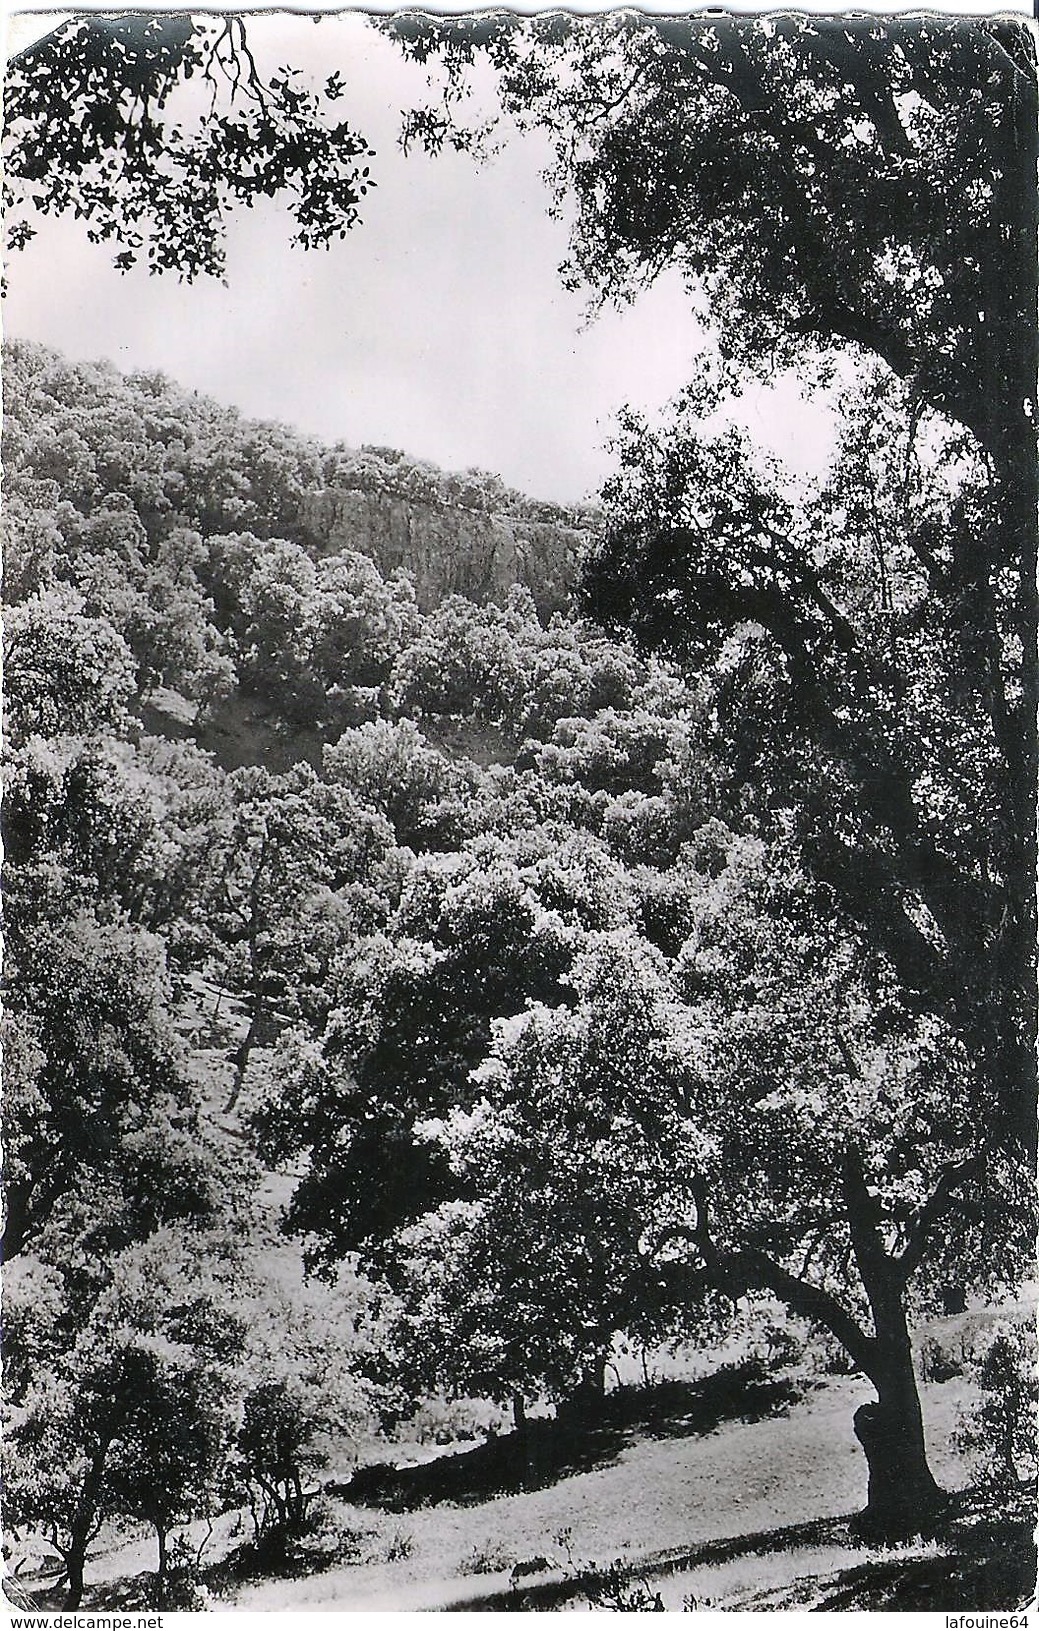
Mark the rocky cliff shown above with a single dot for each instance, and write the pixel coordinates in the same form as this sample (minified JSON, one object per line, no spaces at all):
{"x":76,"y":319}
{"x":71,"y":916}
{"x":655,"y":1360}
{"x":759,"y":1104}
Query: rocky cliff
{"x":448,"y":548}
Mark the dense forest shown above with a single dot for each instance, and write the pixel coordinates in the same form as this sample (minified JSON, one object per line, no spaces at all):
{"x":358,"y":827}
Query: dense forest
{"x":466,"y":954}
{"x":502,"y":937}
{"x":242,"y":768}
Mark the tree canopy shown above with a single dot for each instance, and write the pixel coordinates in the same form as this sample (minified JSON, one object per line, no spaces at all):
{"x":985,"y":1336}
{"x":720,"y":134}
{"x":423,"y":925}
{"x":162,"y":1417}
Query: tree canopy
{"x":153,"y":129}
{"x":830,"y":188}
{"x":861,"y":687}
{"x":854,"y":182}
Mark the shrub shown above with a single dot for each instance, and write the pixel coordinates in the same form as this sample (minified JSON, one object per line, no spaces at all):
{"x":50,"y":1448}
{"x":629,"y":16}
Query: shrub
{"x":322,"y":1541}
{"x":373,"y":1485}
{"x":276,"y":1450}
{"x":315,"y":1541}
{"x":181,"y":1588}
{"x":617,"y":1591}
{"x":940,"y":1361}
{"x":490,"y":1559}
{"x":399,"y":1547}
{"x":443,"y":1421}
{"x":1000,"y":1427}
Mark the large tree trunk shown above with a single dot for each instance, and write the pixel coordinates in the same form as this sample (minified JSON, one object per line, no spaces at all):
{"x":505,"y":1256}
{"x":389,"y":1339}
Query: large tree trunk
{"x":903,"y":1497}
{"x":902,"y":1493}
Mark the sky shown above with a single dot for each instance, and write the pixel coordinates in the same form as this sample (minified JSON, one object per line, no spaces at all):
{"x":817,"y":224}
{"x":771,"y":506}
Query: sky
{"x":439,"y":325}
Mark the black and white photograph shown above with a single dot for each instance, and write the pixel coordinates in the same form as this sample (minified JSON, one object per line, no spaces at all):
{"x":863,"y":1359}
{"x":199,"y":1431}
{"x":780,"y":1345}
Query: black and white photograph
{"x":519,"y":813}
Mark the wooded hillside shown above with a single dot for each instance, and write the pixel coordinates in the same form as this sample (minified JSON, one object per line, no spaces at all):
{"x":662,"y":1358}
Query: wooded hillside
{"x":572,"y":935}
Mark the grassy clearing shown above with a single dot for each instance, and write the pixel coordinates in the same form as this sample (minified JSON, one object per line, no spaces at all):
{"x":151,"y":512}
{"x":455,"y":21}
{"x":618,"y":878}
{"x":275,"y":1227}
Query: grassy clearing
{"x":703,"y":1515}
{"x":677,"y":1496}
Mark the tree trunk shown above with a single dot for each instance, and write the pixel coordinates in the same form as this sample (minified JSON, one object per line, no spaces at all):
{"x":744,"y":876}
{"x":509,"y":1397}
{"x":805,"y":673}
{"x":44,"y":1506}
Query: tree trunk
{"x":241,"y":1058}
{"x":595,"y":1377}
{"x":160,"y":1535}
{"x":903,"y":1497}
{"x":77,"y":1555}
{"x":83,"y":1530}
{"x":522,"y":1447}
{"x":215,"y":1015}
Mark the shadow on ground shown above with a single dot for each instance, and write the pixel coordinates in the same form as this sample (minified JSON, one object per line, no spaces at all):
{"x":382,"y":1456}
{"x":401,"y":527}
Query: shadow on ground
{"x":991,"y":1566}
{"x":572,"y":1442}
{"x":983,"y":1562}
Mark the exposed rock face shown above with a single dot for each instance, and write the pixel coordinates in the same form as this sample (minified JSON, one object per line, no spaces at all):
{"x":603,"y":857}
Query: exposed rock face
{"x":447,"y":548}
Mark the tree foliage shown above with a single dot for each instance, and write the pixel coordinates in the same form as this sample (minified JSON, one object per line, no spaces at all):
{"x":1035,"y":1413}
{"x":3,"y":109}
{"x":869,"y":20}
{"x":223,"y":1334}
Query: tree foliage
{"x":411,"y":1019}
{"x":831,"y":188}
{"x":999,"y":1428}
{"x":861,"y":686}
{"x":571,"y":1158}
{"x":103,"y":1137}
{"x":831,"y":191}
{"x":827,"y":182}
{"x":65,"y":671}
{"x":153,"y":129}
{"x":133,"y":1416}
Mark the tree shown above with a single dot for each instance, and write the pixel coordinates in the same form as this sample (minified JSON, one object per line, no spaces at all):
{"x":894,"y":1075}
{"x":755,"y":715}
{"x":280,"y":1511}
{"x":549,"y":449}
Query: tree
{"x":86,"y":827}
{"x":34,"y":1315}
{"x":610,"y":752}
{"x":825,"y":182}
{"x":178,"y":1350}
{"x":313,"y":637}
{"x":134,"y":1417}
{"x":103,"y":120}
{"x":293,"y":868}
{"x":391,"y":766}
{"x":834,"y":188}
{"x":305,"y":1395}
{"x":763,"y":1116}
{"x":64,"y":670}
{"x":409,"y":1020}
{"x":171,"y":630}
{"x":363,"y":620}
{"x":277,"y":1452}
{"x":846,"y":1153}
{"x":277,"y":608}
{"x":463,"y":664}
{"x":53,"y":1471}
{"x":103,"y":1138}
{"x":574,"y":1153}
{"x":859,"y":686}
{"x":830,"y":188}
